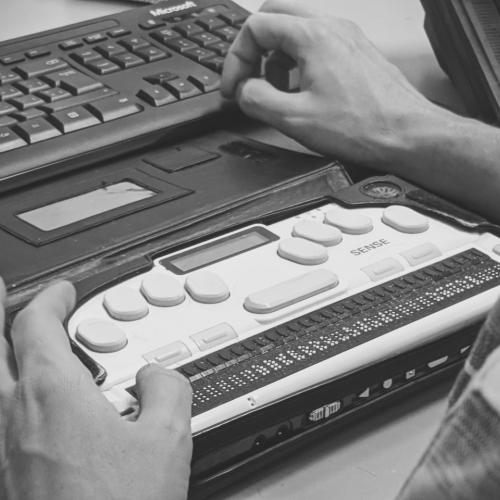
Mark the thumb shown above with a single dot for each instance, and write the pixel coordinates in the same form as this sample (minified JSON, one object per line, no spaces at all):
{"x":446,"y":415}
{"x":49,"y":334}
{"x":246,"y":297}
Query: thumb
{"x":261,"y":100}
{"x":165,"y":398}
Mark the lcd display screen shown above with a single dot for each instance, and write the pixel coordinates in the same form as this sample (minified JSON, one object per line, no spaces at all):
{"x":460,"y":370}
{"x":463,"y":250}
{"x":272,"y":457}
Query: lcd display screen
{"x":71,"y":210}
{"x":219,"y":250}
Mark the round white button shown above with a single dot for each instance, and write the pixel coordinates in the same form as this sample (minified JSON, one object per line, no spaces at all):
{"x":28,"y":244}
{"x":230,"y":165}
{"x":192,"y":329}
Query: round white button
{"x":317,"y":232}
{"x":496,"y":249}
{"x":349,"y":222}
{"x":207,"y":288}
{"x":162,"y":290}
{"x":405,"y":220}
{"x":302,"y":251}
{"x":101,"y":336}
{"x":125,"y":303}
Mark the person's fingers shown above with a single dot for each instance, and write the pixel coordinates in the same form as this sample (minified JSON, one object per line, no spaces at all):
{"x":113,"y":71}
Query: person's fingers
{"x":261,"y":100}
{"x":38,"y":334}
{"x":261,"y":33}
{"x":292,"y":7}
{"x":6,"y":368}
{"x":165,"y":399}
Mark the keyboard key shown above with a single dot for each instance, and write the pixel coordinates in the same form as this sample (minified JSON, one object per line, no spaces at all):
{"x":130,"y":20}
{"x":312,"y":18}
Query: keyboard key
{"x":233,"y":18}
{"x":405,"y":220}
{"x":9,"y":140}
{"x":101,"y":336}
{"x":71,"y":44}
{"x":169,"y":354}
{"x":199,"y":54}
{"x":227,"y":33}
{"x":32,"y":85}
{"x":73,"y":119}
{"x":206,"y":83}
{"x":36,"y":53}
{"x":36,"y":130}
{"x":162,"y":290}
{"x":26,"y":101}
{"x":302,"y":251}
{"x":109,"y":49}
{"x":150,"y":24}
{"x":188,"y":28}
{"x":317,"y":232}
{"x":113,"y":108}
{"x":95,"y":38}
{"x":151,"y":54}
{"x":7,"y":76}
{"x":29,"y":114}
{"x":182,"y":89}
{"x":181,"y":45}
{"x":164,"y":35}
{"x":118,"y":32}
{"x":55,"y":94}
{"x":12,"y":58}
{"x":40,"y":67}
{"x":210,"y":22}
{"x":290,"y":292}
{"x":6,"y":108}
{"x":84,"y":56}
{"x":215,"y":64}
{"x":220,"y":48}
{"x":80,"y":100}
{"x":125,"y":303}
{"x":128,"y":60}
{"x":421,"y":253}
{"x":73,"y":81}
{"x":133,"y":43}
{"x":212,"y":337}
{"x":349,"y":222}
{"x":8,"y":92}
{"x":207,"y":288}
{"x":103,"y":66}
{"x":160,"y":78}
{"x":204,"y":39}
{"x":156,"y":96}
{"x":7,"y":121}
{"x":383,"y":269}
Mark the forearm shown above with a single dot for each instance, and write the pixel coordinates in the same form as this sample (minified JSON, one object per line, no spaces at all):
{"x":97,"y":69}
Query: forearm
{"x":456,"y":157}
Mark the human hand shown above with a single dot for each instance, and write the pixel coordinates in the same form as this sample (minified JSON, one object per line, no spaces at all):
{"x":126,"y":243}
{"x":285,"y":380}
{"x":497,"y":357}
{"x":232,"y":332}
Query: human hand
{"x":61,"y":439}
{"x":352,"y":104}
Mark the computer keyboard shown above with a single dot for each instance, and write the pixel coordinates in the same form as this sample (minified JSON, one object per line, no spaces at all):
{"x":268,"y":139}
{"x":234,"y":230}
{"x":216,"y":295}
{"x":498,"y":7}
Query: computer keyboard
{"x":85,"y":92}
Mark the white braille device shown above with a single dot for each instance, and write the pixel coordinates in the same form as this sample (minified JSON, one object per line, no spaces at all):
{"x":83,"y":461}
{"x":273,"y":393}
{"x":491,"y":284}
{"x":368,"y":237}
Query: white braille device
{"x":268,"y":311}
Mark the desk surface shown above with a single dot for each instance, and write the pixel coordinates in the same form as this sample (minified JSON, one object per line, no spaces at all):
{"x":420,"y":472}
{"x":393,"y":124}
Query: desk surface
{"x":369,"y":460}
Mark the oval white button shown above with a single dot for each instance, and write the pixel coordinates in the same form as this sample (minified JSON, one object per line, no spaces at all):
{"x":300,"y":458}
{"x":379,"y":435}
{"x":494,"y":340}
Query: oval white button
{"x":125,"y":303}
{"x":302,"y":251}
{"x":405,"y":220}
{"x":496,"y":249}
{"x":162,"y":290}
{"x":101,"y":336}
{"x":317,"y":232}
{"x":207,"y":288}
{"x":349,"y":222}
